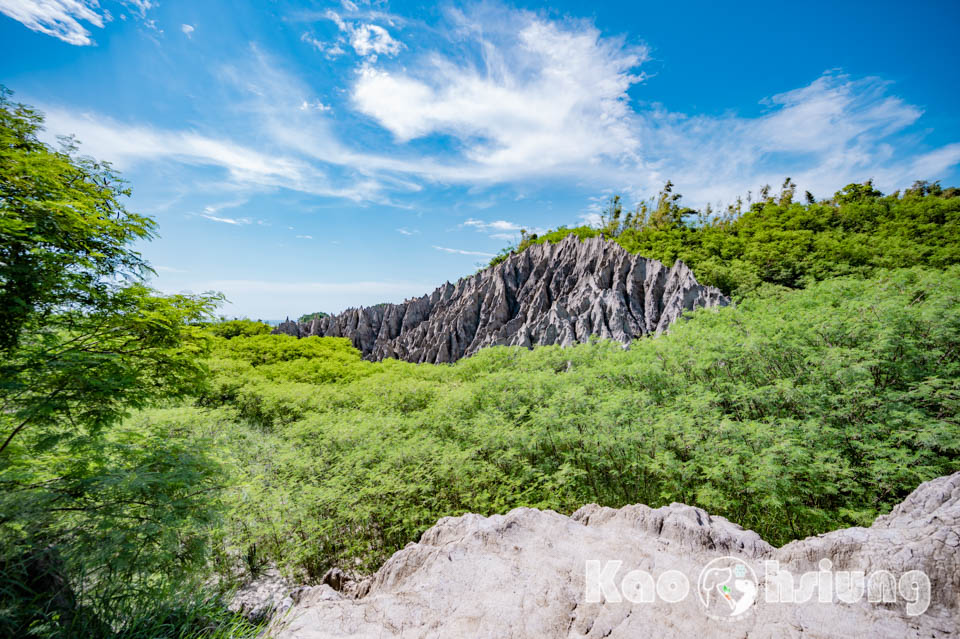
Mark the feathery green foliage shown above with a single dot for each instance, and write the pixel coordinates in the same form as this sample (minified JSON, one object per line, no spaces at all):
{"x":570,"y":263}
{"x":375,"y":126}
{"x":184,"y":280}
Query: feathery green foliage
{"x":238,"y":328}
{"x":97,"y":521}
{"x":794,"y":413}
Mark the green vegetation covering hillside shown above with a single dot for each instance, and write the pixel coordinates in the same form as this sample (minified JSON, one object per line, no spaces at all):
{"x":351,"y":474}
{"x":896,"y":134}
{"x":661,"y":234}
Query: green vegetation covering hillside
{"x":148,"y":452}
{"x":780,"y":241}
{"x":312,"y":316}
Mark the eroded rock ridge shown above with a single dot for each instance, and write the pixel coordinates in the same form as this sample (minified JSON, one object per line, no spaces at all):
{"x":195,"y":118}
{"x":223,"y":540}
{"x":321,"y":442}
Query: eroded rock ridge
{"x":549,"y":294}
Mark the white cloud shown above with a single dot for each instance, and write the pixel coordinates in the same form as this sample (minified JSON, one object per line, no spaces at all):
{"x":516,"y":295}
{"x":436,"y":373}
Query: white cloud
{"x":58,"y":18}
{"x":501,"y":229}
{"x":304,"y":237}
{"x":515,"y":98}
{"x":462,"y":252}
{"x":140,"y":6}
{"x":367,"y":39}
{"x":549,"y":98}
{"x":834,"y":131}
{"x":187,"y":29}
{"x":227,"y":220}
{"x":118,"y":142}
{"x":499,"y":225}
{"x":407,"y":232}
{"x":316,"y":106}
{"x":372,"y":40}
{"x":262,"y":286}
{"x":257,"y":169}
{"x":335,"y":17}
{"x":63,"y":18}
{"x":331,"y":50}
{"x":591,"y":219}
{"x":544,"y":96}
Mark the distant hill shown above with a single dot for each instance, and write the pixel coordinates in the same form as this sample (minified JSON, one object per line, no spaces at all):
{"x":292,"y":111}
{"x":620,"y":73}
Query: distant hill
{"x":311,"y":316}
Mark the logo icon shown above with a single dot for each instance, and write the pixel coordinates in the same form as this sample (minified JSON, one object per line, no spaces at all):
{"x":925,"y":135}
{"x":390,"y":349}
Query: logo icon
{"x":727,"y":588}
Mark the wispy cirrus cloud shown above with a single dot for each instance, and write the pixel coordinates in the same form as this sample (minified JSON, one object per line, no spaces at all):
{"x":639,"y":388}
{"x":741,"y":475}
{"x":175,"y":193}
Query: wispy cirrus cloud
{"x":330,"y":49}
{"x":129,"y":144}
{"x":367,"y":39}
{"x":499,"y":229}
{"x":498,"y":225}
{"x":240,"y":221}
{"x":514,"y":98}
{"x":139,"y":6}
{"x":64,"y":19}
{"x":831,"y":132}
{"x":58,"y":18}
{"x":462,"y":252}
{"x":550,"y":98}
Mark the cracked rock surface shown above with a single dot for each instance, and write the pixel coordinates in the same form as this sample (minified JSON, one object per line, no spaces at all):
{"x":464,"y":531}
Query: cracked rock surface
{"x":523,"y":575}
{"x":549,"y":294}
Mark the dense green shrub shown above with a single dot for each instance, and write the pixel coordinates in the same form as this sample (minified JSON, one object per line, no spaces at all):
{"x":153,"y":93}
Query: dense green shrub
{"x":238,"y":328}
{"x":793,"y":413}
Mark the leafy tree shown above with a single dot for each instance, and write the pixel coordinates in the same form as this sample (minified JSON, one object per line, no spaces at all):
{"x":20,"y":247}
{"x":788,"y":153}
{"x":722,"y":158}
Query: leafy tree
{"x":63,"y":230}
{"x":610,"y":218}
{"x":787,"y":192}
{"x":858,"y":193}
{"x":89,"y":516}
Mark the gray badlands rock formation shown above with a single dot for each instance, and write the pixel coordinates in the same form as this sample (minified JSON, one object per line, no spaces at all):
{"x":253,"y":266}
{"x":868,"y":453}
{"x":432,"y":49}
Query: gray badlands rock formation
{"x":548,"y":294}
{"x":524,"y":574}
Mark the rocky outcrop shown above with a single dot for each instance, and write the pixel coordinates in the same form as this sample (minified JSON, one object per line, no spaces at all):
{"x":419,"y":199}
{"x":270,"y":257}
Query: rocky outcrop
{"x":526,"y":574}
{"x":287,"y":327}
{"x":270,"y":594}
{"x":548,"y":294}
{"x":266,"y":595}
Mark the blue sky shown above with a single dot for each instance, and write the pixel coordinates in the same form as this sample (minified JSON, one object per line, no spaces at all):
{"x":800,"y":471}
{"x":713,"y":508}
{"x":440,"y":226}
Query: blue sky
{"x":303,"y":156}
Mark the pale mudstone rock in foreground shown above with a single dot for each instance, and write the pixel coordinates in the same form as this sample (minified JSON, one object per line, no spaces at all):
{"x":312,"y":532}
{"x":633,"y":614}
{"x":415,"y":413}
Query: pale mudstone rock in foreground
{"x":559,"y":293}
{"x":523,"y":575}
{"x":264,"y":596}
